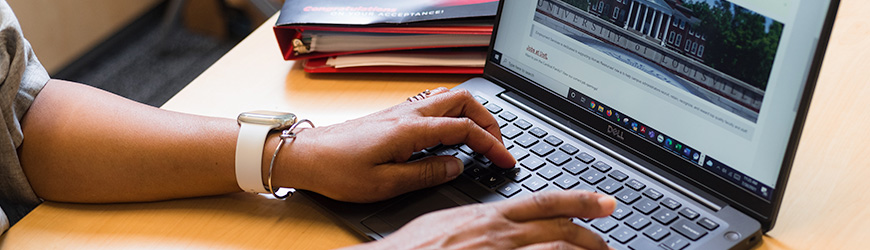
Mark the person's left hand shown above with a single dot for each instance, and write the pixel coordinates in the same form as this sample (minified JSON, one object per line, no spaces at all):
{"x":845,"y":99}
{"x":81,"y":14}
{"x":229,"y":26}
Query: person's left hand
{"x":365,"y":159}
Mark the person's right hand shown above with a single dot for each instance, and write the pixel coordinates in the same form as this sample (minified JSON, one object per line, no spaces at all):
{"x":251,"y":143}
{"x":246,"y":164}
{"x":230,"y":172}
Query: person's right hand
{"x":366,"y":159}
{"x":540,"y":221}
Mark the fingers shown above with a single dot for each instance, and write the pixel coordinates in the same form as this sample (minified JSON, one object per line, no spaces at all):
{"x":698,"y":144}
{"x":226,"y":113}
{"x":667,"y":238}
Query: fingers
{"x":459,"y":103}
{"x":571,"y":203}
{"x":405,"y":177}
{"x":557,"y":232}
{"x":554,"y":245}
{"x":451,"y":131}
{"x":551,"y":245}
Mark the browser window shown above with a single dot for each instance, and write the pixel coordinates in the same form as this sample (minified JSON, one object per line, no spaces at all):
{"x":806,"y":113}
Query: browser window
{"x":706,"y":80}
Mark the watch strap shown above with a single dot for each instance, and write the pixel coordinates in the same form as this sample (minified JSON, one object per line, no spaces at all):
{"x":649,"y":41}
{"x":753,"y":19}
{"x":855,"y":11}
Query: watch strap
{"x":249,"y":157}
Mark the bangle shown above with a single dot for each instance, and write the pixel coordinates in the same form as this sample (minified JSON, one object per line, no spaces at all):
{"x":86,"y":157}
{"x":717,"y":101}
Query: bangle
{"x":288,"y":133}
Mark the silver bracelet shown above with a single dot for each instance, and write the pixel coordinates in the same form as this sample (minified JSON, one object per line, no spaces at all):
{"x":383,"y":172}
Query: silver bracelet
{"x":284,"y":135}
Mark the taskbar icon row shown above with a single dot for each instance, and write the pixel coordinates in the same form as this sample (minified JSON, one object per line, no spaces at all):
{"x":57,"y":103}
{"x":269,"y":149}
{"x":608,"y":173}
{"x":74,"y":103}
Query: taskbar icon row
{"x":637,"y":127}
{"x":670,"y":144}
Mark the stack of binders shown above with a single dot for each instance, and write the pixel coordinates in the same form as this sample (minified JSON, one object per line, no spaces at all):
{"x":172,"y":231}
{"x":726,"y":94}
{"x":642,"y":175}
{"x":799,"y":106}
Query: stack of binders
{"x":387,"y":36}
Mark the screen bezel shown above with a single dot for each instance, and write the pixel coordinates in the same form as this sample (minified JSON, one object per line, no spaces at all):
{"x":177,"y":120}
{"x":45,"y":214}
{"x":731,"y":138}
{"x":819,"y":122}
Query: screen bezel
{"x":763,"y":210}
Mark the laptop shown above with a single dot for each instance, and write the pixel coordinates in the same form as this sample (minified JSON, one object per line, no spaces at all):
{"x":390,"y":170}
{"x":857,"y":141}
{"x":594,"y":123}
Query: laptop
{"x":689,"y":112}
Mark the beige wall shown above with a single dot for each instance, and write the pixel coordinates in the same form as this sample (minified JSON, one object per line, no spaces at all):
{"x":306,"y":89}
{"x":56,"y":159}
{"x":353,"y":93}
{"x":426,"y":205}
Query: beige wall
{"x":62,"y":30}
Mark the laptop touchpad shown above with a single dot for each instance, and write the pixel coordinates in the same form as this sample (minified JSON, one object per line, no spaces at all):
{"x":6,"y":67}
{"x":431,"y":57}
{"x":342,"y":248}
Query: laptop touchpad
{"x":395,"y":216}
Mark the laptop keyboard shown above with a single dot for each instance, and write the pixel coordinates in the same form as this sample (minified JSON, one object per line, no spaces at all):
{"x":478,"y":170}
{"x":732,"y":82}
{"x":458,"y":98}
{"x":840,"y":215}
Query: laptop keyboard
{"x":644,"y":218}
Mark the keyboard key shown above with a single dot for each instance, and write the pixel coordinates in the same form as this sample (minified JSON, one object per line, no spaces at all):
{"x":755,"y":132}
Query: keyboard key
{"x":535,"y":184}
{"x":653,"y":194}
{"x":585,"y":187}
{"x":532,"y":163}
{"x":417,"y":155}
{"x":553,"y":140}
{"x":575,"y":167}
{"x":592,"y":177}
{"x":585,"y":158}
{"x":447,"y":151}
{"x":671,"y":203}
{"x":551,"y":188}
{"x":604,"y":224}
{"x":665,"y":216}
{"x":466,"y":159}
{"x":526,"y":140}
{"x":708,"y":224}
{"x":509,"y":189}
{"x":566,"y":181}
{"x":481,"y":100}
{"x":656,"y":232}
{"x":518,"y":153}
{"x":621,"y":211}
{"x":508,"y":116}
{"x":601,"y":166}
{"x":623,"y":235}
{"x":569,"y":149}
{"x":517,"y":174}
{"x":643,"y":244}
{"x":473,"y":189}
{"x":609,"y":186}
{"x":493,"y":108}
{"x":523,"y":124}
{"x":549,"y":172}
{"x":628,"y":196}
{"x":578,"y":221}
{"x":538,"y":132}
{"x":502,"y":123}
{"x":675,"y":242}
{"x":508,"y":144}
{"x":476,"y":171}
{"x":511,"y":132}
{"x":635,"y":184}
{"x":491,"y":180}
{"x":638,"y":221}
{"x":434,"y":148}
{"x":689,"y":213}
{"x":646,"y":206}
{"x":691,"y":231}
{"x":542,"y":149}
{"x":559,"y":158}
{"x":466,"y":149}
{"x":618,"y":175}
{"x":482,"y":159}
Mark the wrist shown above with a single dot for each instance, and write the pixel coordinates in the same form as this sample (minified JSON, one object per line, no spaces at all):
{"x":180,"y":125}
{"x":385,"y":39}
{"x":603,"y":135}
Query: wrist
{"x":254,"y":129}
{"x":281,"y":160}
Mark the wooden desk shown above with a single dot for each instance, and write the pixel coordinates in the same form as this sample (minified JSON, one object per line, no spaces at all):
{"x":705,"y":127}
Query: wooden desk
{"x":824,"y":207}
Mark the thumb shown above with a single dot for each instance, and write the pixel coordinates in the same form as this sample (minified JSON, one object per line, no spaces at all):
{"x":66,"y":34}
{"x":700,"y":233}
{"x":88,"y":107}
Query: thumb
{"x":426,"y":172}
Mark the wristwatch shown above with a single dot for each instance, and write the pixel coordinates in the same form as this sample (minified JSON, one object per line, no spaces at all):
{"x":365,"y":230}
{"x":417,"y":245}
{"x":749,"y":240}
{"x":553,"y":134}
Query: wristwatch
{"x":255,"y":126}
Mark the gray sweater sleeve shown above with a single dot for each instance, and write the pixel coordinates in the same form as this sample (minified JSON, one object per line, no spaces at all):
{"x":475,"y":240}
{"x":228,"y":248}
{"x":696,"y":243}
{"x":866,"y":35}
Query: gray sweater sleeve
{"x":21,"y":79}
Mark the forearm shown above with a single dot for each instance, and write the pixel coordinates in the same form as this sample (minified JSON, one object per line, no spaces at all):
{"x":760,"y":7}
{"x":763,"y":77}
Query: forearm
{"x":86,"y":145}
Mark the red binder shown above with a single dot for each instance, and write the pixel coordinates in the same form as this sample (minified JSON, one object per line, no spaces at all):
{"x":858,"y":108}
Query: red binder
{"x":460,"y":17}
{"x":318,"y":65}
{"x":287,"y":33}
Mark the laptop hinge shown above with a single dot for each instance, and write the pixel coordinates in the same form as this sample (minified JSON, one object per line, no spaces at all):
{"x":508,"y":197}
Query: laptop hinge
{"x":610,"y":152}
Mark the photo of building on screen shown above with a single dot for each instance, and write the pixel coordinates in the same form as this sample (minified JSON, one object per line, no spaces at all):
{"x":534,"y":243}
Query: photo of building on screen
{"x":713,"y":49}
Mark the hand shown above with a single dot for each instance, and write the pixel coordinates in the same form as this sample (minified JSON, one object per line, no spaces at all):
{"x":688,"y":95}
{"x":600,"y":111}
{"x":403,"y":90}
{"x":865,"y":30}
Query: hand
{"x":540,"y":221}
{"x":365,"y":159}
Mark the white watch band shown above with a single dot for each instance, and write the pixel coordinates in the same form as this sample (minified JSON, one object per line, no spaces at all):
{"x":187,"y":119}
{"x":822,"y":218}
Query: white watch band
{"x":249,"y":157}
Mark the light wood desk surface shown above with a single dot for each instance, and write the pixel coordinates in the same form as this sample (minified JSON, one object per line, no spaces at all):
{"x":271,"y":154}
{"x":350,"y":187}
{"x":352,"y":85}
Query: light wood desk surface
{"x":824,"y":207}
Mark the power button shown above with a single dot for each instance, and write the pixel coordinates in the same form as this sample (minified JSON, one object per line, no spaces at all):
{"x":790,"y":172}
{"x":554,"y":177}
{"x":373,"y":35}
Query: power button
{"x":732,"y":236}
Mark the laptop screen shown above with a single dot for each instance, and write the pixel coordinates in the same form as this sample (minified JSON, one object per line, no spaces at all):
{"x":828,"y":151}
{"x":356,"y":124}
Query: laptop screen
{"x":714,"y":83}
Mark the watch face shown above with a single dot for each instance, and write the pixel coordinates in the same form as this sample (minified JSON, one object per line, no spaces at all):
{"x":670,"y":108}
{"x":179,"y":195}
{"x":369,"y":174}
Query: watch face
{"x":277,"y":120}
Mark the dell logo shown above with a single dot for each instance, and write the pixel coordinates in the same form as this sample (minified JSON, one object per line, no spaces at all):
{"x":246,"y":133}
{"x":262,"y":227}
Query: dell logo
{"x":616,"y":132}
